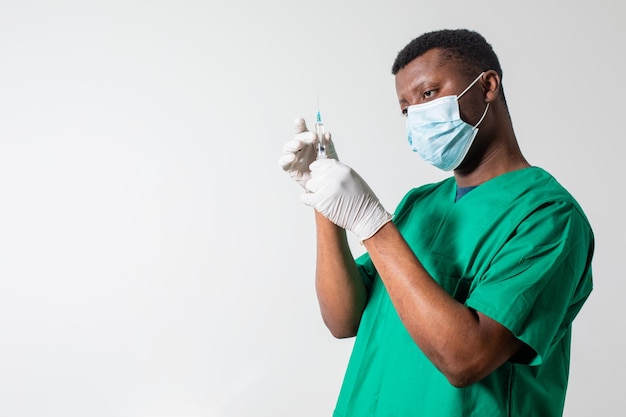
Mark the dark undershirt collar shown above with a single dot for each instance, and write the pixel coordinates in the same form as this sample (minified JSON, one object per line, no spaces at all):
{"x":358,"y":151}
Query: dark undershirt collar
{"x":461,"y":191}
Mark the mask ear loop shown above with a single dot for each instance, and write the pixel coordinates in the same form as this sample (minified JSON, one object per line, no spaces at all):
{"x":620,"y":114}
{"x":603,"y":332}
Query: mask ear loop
{"x":470,"y":86}
{"x":482,"y":117}
{"x":465,"y":91}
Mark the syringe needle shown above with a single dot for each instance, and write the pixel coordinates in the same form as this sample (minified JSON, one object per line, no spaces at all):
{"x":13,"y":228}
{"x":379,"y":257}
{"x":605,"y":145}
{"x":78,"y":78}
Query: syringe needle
{"x":319,"y":129}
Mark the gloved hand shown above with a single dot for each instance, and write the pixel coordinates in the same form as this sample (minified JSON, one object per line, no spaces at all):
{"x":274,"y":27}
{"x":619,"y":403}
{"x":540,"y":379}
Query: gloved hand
{"x":343,"y":197}
{"x":301,"y":151}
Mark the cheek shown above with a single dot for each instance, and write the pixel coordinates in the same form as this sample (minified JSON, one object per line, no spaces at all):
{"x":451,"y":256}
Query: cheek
{"x":472,"y":111}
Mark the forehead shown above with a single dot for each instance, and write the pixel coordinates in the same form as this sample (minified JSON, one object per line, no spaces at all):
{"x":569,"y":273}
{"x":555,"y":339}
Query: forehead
{"x":430,"y":66}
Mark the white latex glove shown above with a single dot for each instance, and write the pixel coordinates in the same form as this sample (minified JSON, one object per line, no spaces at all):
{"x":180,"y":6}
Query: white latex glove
{"x":344,"y":198}
{"x":301,"y":151}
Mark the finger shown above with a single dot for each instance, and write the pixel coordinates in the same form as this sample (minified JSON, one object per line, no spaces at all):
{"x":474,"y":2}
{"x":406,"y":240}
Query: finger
{"x":286,"y":161}
{"x":314,"y":184}
{"x":300,"y":125}
{"x":320,"y":165}
{"x":307,"y":137}
{"x":298,"y":143}
{"x":307,"y":198}
{"x":293,"y":146}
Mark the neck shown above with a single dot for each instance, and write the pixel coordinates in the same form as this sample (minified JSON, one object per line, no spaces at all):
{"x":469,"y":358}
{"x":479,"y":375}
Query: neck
{"x":498,"y":158}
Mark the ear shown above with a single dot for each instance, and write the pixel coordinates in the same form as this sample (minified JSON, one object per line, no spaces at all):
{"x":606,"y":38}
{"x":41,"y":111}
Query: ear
{"x":491,"y":85}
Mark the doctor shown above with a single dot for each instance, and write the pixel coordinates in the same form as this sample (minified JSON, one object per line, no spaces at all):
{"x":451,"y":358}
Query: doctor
{"x":463,"y":303}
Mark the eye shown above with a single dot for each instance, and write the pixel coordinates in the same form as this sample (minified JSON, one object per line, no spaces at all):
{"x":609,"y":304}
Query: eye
{"x":428,"y":94}
{"x":405,"y":112}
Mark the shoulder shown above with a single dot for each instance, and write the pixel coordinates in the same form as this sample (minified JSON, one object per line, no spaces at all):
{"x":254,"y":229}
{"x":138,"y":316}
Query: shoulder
{"x":547,"y":192}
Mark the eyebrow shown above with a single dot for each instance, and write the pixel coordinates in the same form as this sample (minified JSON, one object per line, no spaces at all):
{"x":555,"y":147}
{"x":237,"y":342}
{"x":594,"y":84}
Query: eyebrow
{"x":413,"y":87}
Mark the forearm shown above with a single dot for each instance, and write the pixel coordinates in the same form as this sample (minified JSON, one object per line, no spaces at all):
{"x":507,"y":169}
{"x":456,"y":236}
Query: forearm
{"x":462,"y":343}
{"x":340,"y":290}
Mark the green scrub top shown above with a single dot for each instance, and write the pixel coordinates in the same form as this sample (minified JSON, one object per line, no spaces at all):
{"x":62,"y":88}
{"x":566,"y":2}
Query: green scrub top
{"x":518,"y":249}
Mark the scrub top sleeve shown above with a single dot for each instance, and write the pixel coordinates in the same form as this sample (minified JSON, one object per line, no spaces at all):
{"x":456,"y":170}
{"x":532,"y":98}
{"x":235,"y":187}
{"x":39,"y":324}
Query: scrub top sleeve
{"x":540,"y":278}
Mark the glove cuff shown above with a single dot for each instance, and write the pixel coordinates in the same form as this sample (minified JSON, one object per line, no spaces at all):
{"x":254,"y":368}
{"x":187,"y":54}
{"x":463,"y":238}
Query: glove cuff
{"x":374,"y":225}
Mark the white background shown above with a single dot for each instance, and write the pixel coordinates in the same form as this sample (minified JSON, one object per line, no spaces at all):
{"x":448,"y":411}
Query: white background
{"x":154,"y":259}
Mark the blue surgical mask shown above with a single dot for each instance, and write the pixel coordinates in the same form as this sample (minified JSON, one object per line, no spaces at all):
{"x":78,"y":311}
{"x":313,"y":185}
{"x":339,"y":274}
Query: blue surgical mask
{"x":438,"y":134}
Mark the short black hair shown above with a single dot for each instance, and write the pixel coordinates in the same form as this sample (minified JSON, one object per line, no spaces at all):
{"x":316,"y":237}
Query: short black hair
{"x":470,"y":49}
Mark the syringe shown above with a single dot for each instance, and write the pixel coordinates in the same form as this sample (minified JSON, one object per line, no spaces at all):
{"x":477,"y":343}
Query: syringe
{"x":319,"y":129}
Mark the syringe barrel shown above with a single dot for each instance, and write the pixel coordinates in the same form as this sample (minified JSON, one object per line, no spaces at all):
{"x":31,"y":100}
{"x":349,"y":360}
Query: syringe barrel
{"x":321,"y":146}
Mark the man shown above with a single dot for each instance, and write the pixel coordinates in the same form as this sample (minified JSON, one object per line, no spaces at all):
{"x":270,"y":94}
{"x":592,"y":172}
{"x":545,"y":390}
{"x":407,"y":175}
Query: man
{"x":463,"y":303}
